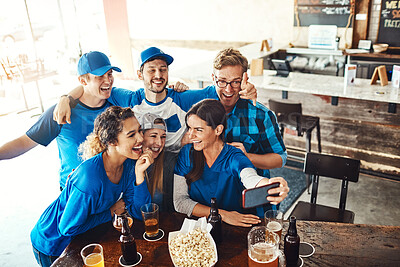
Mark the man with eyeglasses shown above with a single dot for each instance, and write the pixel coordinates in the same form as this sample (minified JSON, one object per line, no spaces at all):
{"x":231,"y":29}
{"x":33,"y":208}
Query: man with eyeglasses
{"x":251,"y":128}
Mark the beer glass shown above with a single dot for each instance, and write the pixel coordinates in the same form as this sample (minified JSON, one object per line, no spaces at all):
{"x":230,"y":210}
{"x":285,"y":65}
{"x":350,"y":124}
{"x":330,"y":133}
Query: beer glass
{"x":274,"y":221}
{"x":118,"y":219}
{"x":92,"y":255}
{"x":150,"y":218}
{"x":263,"y":247}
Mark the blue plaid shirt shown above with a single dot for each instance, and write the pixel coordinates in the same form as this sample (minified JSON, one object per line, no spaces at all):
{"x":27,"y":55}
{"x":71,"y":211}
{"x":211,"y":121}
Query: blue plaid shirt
{"x":257,"y":129}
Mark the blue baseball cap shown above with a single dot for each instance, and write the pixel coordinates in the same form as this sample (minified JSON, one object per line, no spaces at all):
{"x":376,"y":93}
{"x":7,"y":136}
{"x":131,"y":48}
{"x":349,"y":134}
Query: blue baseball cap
{"x":95,"y":63}
{"x":153,"y":52}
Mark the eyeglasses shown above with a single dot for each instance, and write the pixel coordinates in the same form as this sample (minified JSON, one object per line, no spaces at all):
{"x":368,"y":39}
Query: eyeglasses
{"x":223,"y":84}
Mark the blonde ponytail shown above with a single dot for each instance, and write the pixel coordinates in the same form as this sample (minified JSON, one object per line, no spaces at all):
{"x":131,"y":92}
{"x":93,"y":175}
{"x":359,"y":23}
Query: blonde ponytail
{"x":91,"y":147}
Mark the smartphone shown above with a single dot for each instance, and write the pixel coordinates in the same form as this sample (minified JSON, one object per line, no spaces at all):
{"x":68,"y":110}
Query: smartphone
{"x":257,"y":196}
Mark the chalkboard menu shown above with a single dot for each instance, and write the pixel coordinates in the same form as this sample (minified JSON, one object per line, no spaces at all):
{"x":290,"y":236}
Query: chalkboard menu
{"x":323,"y":12}
{"x":389,"y":24}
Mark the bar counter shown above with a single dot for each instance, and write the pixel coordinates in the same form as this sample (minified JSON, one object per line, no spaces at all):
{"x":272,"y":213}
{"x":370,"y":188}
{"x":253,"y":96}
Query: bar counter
{"x":336,"y":244}
{"x":326,"y":85}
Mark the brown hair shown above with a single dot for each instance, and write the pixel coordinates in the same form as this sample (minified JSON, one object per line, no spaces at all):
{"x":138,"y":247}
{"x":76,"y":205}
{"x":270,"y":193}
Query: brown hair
{"x":107,"y":126}
{"x":230,"y":57}
{"x":213,"y":113}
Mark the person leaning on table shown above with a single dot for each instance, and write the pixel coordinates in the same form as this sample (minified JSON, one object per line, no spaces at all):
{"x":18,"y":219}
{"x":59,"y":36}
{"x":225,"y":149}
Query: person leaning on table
{"x":104,"y":183}
{"x":208,"y":167}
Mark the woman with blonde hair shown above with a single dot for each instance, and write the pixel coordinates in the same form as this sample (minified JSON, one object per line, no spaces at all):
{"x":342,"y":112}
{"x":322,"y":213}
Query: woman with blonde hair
{"x":154,"y":134}
{"x":111,"y":179}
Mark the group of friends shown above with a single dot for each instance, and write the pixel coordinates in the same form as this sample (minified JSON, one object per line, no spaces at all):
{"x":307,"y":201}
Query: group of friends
{"x":120,"y":149}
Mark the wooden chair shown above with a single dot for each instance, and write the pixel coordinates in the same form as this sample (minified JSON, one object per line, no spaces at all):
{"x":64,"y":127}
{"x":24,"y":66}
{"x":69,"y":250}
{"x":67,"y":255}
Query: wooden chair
{"x":290,"y":116}
{"x":345,"y":169}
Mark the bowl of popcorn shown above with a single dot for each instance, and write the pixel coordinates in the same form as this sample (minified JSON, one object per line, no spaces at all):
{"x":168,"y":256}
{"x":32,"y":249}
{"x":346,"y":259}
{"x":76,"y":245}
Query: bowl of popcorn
{"x":193,"y":245}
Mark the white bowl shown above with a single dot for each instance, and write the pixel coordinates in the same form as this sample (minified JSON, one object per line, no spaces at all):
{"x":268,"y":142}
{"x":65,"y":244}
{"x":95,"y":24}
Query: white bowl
{"x":378,"y":48}
{"x":172,"y":235}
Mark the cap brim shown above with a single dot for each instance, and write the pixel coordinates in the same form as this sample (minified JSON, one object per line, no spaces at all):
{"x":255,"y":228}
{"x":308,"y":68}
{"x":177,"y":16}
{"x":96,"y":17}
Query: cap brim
{"x":101,"y":71}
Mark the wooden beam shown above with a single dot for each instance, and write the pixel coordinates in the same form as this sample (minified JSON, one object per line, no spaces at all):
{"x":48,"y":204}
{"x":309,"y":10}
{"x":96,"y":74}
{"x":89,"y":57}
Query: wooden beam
{"x":119,"y":40}
{"x":361,"y":20}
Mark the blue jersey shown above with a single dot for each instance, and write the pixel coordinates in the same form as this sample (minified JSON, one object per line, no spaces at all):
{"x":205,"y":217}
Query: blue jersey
{"x":68,"y":136}
{"x":172,"y":108}
{"x":85,"y":203}
{"x":221,"y":180}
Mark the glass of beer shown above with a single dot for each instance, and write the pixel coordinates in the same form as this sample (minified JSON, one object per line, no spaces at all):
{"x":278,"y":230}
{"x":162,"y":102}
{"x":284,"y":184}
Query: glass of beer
{"x":92,"y":255}
{"x":263,"y":247}
{"x":150,"y":218}
{"x":119,"y":217}
{"x":274,"y":221}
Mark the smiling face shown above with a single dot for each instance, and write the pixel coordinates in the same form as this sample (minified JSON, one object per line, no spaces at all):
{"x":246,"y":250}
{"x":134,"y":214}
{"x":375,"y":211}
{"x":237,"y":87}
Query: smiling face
{"x":99,"y":86}
{"x":130,"y":140}
{"x":228,"y":95}
{"x":201,"y":135}
{"x":154,"y":139}
{"x":154,"y":76}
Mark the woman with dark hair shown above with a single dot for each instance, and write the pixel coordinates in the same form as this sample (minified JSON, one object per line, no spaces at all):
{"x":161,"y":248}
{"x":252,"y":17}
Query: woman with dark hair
{"x":210,"y":168}
{"x":106,"y":182}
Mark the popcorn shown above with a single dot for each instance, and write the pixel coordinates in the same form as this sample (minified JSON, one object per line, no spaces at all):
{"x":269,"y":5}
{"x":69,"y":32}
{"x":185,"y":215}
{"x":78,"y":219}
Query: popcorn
{"x":192,"y":249}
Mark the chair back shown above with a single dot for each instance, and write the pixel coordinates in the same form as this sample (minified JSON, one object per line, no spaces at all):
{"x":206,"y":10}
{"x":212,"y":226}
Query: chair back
{"x":281,"y":107}
{"x":345,"y":169}
{"x":287,"y":113}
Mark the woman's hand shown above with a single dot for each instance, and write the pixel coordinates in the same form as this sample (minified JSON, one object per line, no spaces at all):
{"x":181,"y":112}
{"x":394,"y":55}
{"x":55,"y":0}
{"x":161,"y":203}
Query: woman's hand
{"x":237,"y":219}
{"x":144,"y":161}
{"x":118,"y":207}
{"x":282,"y":189}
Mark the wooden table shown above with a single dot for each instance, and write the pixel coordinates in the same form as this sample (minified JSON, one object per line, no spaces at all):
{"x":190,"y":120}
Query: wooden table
{"x":335,"y":244}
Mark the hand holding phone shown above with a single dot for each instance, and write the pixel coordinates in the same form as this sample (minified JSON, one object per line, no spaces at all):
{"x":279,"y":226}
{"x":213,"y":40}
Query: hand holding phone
{"x":257,"y":196}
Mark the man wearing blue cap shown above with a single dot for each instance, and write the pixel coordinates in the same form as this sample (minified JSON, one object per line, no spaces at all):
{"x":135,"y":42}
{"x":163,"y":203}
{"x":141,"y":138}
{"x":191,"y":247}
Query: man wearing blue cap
{"x":96,"y":76}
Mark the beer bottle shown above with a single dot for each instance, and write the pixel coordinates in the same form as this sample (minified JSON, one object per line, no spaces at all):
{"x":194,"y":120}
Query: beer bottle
{"x":128,"y":244}
{"x":292,"y":243}
{"x":216,"y":221}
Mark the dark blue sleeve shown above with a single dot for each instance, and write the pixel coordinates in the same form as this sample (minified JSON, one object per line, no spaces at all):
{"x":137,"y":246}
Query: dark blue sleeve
{"x":183,"y":165}
{"x":123,"y":97}
{"x":45,"y":129}
{"x":190,"y":97}
{"x":135,"y":196}
{"x":238,"y":161}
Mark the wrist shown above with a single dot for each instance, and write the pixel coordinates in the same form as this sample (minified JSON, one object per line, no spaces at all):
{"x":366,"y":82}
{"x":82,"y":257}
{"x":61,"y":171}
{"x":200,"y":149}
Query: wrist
{"x":139,"y":178}
{"x":72,"y":101}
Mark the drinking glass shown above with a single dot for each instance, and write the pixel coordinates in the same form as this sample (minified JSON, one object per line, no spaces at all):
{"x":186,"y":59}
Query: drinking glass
{"x":263,"y":247}
{"x":274,"y":221}
{"x":150,"y":218}
{"x":92,"y":255}
{"x":118,"y":219}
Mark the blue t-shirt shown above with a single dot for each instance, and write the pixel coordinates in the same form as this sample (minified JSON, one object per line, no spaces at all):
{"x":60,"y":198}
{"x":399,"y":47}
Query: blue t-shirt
{"x":68,"y":136}
{"x":85,"y":203}
{"x":221,"y":180}
{"x":172,"y":108}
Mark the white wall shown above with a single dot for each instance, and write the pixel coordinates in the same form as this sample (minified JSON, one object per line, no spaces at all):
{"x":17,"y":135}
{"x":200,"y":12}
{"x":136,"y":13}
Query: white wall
{"x":215,"y":20}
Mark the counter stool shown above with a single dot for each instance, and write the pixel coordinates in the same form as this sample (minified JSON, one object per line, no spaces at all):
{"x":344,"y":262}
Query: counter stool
{"x":289,"y":115}
{"x":345,"y":169}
